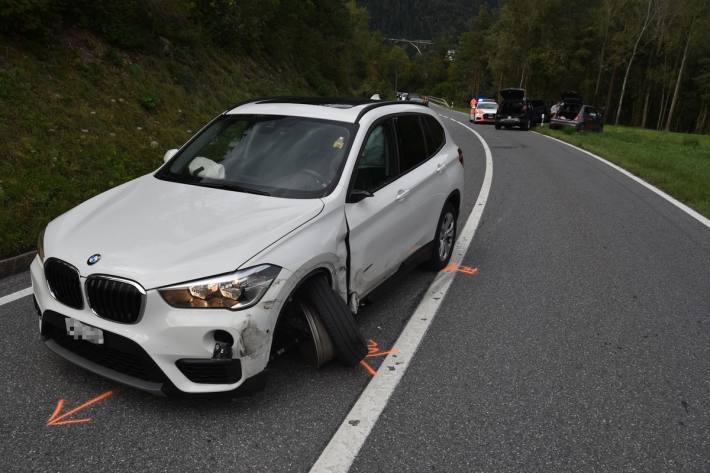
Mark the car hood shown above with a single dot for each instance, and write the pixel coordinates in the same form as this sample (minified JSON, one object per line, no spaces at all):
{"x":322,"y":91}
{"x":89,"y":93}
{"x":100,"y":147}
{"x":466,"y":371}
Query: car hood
{"x":159,"y":233}
{"x":512,"y":94}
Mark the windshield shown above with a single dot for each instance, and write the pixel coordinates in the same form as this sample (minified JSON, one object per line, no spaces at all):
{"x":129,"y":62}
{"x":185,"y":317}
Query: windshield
{"x":292,"y":157}
{"x":487,"y":106}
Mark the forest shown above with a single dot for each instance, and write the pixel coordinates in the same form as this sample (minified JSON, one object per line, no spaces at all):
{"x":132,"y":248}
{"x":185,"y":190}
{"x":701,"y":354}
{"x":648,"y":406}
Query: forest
{"x":646,"y":63}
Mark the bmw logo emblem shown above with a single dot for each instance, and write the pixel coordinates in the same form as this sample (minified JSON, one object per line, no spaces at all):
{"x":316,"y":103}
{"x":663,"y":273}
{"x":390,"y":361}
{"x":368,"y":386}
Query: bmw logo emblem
{"x":93,"y":259}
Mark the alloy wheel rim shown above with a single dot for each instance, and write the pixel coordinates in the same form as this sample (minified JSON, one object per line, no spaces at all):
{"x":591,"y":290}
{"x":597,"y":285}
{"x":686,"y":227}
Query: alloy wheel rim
{"x":446,"y":236}
{"x":323,"y":349}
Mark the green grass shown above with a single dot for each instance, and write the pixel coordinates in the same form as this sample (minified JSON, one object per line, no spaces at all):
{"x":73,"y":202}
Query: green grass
{"x":81,"y":118}
{"x":678,"y":163}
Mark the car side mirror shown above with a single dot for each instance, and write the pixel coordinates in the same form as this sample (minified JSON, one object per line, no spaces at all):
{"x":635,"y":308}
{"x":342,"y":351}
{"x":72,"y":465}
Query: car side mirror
{"x":169,"y":154}
{"x":356,"y":195}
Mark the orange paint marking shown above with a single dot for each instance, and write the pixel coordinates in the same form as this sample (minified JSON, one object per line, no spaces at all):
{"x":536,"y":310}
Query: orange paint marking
{"x":368,"y":368}
{"x":467,"y":270}
{"x":382,"y":353}
{"x":461,"y":269}
{"x":373,"y":350}
{"x":72,"y":421}
{"x":56,"y":419}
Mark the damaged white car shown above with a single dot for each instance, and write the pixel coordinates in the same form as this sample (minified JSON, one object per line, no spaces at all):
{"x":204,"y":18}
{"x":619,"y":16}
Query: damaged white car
{"x":267,"y":226}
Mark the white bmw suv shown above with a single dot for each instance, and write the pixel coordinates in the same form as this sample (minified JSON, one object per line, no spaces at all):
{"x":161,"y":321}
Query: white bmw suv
{"x":264,"y":230}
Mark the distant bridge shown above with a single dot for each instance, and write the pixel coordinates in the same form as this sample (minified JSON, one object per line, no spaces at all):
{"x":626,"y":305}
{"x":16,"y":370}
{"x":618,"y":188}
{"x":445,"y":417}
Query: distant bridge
{"x":413,"y":42}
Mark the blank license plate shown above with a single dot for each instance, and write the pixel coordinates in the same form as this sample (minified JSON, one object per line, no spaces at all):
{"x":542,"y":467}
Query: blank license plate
{"x":81,"y":331}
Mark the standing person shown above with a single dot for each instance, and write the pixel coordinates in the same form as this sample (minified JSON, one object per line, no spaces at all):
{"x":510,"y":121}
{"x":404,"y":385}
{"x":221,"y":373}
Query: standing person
{"x":473,"y":102}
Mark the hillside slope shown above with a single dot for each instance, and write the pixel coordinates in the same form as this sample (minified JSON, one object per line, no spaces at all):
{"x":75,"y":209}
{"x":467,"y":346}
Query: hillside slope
{"x":80,"y":117}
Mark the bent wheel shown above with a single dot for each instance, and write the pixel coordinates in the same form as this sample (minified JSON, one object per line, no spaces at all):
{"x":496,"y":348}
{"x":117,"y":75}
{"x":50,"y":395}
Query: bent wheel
{"x":339,"y":323}
{"x":320,"y":351}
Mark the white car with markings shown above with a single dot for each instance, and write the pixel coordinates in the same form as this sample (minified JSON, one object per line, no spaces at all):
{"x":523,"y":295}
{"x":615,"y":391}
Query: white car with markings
{"x":268,"y":226}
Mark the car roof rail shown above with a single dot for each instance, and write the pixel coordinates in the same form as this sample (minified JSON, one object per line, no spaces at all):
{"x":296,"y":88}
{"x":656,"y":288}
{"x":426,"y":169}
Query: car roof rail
{"x":318,"y":100}
{"x":369,"y":104}
{"x":243,"y":102}
{"x":377,"y":104}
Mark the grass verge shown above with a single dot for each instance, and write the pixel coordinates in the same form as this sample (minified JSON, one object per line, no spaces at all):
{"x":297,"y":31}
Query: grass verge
{"x":677,"y":163}
{"x":82,"y":117}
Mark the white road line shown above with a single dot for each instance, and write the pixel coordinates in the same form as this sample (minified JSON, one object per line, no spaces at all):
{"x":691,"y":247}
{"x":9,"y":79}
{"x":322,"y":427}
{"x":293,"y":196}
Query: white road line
{"x":15,"y":295}
{"x":342,"y":449}
{"x":700,"y":218}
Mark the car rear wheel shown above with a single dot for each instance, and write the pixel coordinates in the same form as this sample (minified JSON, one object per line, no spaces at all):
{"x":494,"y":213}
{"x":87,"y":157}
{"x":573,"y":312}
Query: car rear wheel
{"x":497,"y":126}
{"x":444,"y":239}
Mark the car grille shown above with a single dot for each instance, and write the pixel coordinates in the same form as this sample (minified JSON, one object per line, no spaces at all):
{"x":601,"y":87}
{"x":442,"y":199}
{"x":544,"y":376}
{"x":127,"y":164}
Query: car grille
{"x":115,"y":299}
{"x":208,"y":371}
{"x":63,"y":282}
{"x":488,"y":116}
{"x":117,"y":353}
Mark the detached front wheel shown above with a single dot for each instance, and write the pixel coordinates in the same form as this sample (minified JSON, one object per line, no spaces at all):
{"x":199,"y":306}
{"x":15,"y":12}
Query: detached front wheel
{"x":331,"y":322}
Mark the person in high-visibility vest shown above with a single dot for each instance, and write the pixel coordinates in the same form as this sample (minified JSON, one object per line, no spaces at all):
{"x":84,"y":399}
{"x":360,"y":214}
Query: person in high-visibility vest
{"x":473,"y":102}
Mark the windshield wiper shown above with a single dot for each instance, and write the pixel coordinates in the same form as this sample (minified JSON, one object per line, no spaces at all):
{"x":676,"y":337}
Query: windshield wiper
{"x":188,"y":179}
{"x":235,"y":187}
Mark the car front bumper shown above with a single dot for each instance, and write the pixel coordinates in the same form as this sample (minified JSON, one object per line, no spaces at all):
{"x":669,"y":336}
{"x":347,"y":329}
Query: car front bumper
{"x":164,"y":339}
{"x":484,"y":119}
{"x":557,"y":123}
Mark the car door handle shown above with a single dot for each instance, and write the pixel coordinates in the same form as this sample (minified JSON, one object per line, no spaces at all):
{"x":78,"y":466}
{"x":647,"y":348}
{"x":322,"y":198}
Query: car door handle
{"x":401,"y":195}
{"x":439,"y":168}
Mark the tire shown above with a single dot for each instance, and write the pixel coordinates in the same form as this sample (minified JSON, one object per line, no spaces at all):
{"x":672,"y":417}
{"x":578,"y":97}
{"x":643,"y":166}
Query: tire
{"x":497,"y":125}
{"x":443,"y":244}
{"x":350,"y":347}
{"x":525,"y":127}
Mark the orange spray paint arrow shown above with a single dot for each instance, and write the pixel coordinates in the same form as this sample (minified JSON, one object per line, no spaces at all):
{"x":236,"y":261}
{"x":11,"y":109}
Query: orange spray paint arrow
{"x":373,"y":350}
{"x":56,"y":419}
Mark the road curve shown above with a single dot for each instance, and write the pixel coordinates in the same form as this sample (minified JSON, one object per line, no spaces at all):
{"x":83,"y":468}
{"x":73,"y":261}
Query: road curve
{"x":581,"y":345}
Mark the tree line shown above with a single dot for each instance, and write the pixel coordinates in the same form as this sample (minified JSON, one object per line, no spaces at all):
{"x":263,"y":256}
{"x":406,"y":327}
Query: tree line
{"x":644,"y":62}
{"x":327,"y":42}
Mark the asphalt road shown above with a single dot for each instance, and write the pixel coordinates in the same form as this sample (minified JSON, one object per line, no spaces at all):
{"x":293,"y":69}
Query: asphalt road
{"x":580,"y":345}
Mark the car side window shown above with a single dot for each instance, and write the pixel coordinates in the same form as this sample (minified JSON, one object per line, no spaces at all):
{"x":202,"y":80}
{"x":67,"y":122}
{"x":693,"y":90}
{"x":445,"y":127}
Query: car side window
{"x":434,"y":134}
{"x":410,"y":142}
{"x":377,"y":164}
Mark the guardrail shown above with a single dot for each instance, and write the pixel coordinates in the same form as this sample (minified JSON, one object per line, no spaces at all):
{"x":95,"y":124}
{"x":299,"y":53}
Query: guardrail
{"x":440,"y":101}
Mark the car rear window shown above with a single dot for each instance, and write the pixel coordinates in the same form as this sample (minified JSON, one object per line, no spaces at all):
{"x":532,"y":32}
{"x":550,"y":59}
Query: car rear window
{"x":434,"y":134}
{"x":411,"y":142}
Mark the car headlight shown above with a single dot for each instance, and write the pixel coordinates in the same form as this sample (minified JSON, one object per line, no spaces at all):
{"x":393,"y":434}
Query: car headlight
{"x":40,"y":245}
{"x":235,"y":291}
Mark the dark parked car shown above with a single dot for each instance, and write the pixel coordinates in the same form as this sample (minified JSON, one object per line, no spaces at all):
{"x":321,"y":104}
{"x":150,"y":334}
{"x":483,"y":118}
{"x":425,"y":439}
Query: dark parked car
{"x":418,"y":99}
{"x":514,"y":110}
{"x":573,"y":113}
{"x":540,"y":111}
